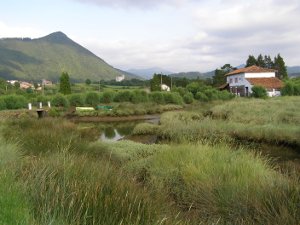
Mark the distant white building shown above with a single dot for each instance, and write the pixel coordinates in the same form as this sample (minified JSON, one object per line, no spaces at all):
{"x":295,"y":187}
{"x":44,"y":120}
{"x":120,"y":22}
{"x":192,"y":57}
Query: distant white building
{"x":242,"y":80}
{"x":164,"y":87}
{"x":12,"y":82}
{"x":120,"y":78}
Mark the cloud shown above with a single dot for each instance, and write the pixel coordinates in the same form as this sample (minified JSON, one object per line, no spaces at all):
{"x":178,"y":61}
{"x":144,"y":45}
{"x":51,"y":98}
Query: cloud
{"x":136,"y":3}
{"x":16,"y":31}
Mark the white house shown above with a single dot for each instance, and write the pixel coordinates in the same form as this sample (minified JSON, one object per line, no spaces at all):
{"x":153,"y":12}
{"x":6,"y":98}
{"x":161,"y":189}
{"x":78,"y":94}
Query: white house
{"x":120,"y":78}
{"x":242,"y":80}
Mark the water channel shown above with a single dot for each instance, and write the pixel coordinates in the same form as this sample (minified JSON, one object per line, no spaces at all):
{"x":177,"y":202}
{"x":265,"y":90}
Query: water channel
{"x":283,"y":157}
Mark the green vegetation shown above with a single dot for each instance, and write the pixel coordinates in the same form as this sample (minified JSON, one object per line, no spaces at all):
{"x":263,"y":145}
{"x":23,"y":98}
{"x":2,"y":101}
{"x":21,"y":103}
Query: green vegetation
{"x":259,"y":92}
{"x":291,"y":87}
{"x":65,"y":177}
{"x":64,"y":84}
{"x":272,"y":120}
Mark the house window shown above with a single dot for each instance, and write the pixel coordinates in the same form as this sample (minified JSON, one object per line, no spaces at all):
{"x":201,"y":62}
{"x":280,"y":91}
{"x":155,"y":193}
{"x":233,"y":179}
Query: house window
{"x":236,"y":80}
{"x":230,"y":80}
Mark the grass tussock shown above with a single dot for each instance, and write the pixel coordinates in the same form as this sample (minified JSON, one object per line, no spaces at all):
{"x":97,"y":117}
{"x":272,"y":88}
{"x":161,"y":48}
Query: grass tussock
{"x":217,"y":184}
{"x":63,"y":178}
{"x":272,"y":121}
{"x":71,"y":189}
{"x":14,"y":207}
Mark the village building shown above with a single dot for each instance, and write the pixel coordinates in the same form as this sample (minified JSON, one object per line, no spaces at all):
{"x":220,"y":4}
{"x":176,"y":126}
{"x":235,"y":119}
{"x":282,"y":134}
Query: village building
{"x":241,"y":81}
{"x":46,"y":82}
{"x":26,"y":85}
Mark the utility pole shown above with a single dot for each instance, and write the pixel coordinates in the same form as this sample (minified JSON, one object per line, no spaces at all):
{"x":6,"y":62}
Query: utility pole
{"x":171,"y":82}
{"x":99,"y":85}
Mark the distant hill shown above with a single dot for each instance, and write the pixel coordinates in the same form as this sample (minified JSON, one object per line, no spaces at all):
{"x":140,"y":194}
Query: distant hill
{"x":194,"y":75}
{"x":293,"y":71}
{"x":148,"y":72}
{"x":47,"y":57}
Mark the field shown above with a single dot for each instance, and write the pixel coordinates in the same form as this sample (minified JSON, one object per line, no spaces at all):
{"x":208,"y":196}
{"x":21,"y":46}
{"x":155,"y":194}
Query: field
{"x":202,"y":172}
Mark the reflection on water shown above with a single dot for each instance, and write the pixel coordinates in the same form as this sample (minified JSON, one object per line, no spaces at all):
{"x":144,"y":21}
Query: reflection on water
{"x":116,"y":131}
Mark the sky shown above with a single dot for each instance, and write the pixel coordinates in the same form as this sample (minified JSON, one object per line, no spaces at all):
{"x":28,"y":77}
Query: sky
{"x":176,"y":35}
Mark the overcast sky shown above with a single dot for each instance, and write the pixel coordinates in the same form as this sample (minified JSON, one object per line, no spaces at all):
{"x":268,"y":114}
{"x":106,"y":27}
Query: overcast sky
{"x":177,"y":35}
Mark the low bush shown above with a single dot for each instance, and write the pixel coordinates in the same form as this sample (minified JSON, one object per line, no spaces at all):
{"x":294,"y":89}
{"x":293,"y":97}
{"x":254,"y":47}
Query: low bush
{"x":107,"y":97}
{"x":76,"y":100}
{"x":2,"y":104}
{"x":157,"y":97}
{"x":15,"y":101}
{"x":92,"y":99}
{"x":259,"y":92}
{"x":201,"y":97}
{"x":188,"y":98}
{"x":172,"y":98}
{"x":122,"y":96}
{"x":60,"y":100}
{"x":138,"y":96}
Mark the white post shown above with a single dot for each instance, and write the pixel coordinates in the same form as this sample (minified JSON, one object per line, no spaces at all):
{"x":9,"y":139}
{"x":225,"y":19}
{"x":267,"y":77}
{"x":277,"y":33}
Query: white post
{"x":29,"y":106}
{"x":41,"y":105}
{"x":49,"y":104}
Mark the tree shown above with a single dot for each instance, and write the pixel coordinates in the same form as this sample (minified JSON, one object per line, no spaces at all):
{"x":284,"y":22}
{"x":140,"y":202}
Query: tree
{"x":219,"y":77}
{"x":17,"y":85}
{"x":251,"y":61}
{"x":156,"y":81}
{"x":88,"y":81}
{"x":64,"y":85}
{"x":279,"y":65}
{"x":268,"y":62}
{"x":260,"y":61}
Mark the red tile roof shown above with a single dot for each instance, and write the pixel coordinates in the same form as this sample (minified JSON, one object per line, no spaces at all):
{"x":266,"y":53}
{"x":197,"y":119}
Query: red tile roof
{"x":270,"y":82}
{"x":250,"y":69}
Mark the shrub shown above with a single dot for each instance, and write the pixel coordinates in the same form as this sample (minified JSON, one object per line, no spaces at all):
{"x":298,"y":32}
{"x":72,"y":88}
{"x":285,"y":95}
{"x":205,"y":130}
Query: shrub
{"x":92,"y":99}
{"x":2,"y":104}
{"x":60,"y":101}
{"x":122,"y":96}
{"x":172,"y":98}
{"x":138,"y":96}
{"x":157,"y":97}
{"x":76,"y":100}
{"x":188,"y":98}
{"x":201,"y":97}
{"x":43,"y":99}
{"x":15,"y":101}
{"x":288,"y":89}
{"x":107,"y":97}
{"x":182,"y":91}
{"x":259,"y":92}
{"x":225,"y":95}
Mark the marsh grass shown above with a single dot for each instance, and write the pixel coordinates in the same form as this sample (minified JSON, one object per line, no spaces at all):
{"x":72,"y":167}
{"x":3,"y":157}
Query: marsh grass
{"x":43,"y":136}
{"x":14,"y":209}
{"x":274,"y":121}
{"x":77,"y":190}
{"x":217,"y":184}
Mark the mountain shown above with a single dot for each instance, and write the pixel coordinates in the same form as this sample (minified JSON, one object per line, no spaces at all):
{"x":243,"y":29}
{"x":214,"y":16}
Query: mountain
{"x":293,"y":71}
{"x":194,"y":75}
{"x":148,"y":72}
{"x":47,"y":57}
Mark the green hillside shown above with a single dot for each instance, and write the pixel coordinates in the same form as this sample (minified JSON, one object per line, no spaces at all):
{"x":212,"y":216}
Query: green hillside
{"x":46,"y":57}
